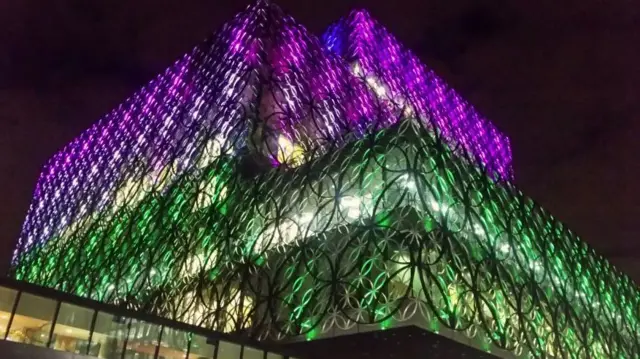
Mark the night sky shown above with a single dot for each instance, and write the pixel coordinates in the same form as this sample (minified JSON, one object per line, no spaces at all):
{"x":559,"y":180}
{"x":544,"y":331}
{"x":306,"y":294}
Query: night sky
{"x":561,"y":79}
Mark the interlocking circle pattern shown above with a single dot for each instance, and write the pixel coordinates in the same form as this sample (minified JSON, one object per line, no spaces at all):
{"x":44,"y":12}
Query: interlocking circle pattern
{"x":258,"y":187}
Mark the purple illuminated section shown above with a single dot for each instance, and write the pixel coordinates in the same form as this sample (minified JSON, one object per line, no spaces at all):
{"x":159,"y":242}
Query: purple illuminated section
{"x":261,"y":61}
{"x":405,"y":81}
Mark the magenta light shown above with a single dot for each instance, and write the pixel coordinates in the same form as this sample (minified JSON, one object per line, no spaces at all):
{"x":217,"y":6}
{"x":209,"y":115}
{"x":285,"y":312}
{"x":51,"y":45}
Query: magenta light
{"x":208,"y":92}
{"x":360,"y":39}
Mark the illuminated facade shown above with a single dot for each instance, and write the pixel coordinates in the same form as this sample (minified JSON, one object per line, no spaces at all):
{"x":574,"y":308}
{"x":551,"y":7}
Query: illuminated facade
{"x":269,"y":184}
{"x":398,"y":76}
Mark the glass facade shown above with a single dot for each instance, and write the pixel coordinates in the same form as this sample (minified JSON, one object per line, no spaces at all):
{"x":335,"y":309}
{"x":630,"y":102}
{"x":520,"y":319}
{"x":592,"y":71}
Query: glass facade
{"x":7,"y":299}
{"x":56,"y":324}
{"x":32,"y":319}
{"x":72,"y":330}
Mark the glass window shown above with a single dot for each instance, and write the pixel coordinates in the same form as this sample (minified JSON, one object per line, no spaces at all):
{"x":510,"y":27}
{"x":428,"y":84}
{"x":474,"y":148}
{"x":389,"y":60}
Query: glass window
{"x":252,"y":353}
{"x":7,"y":298}
{"x":274,"y":356}
{"x":173,"y":344}
{"x":32,"y":322}
{"x":71,"y":333}
{"x":143,"y":340}
{"x":200,"y":349}
{"x":107,"y":341}
{"x":228,"y":350}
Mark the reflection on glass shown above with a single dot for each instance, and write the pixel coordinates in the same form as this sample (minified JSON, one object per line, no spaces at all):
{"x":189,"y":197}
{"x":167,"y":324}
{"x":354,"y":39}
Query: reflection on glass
{"x":252,"y":353}
{"x":109,"y":336}
{"x":32,"y":322}
{"x":142,"y":341}
{"x":113,"y":336}
{"x":274,"y":356}
{"x":200,"y":349}
{"x":73,"y":325}
{"x":7,"y":298}
{"x":228,"y":350}
{"x":174,"y":344}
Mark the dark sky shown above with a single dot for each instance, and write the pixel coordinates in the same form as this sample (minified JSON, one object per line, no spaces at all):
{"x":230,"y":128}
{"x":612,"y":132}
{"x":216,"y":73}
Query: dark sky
{"x":561,"y":78}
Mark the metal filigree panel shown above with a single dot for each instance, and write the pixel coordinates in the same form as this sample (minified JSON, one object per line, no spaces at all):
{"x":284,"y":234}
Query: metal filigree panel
{"x":397,"y":75}
{"x":261,"y":62}
{"x":389,"y":229}
{"x":258,"y":186}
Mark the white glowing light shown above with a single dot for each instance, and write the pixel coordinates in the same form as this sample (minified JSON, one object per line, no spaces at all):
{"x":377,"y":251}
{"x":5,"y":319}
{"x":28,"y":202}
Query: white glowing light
{"x":213,"y":149}
{"x":380,"y":90}
{"x":357,"y":70}
{"x":274,"y":236}
{"x":196,"y":263}
{"x":352,"y":205}
{"x":536,"y":266}
{"x":304,"y":218}
{"x":504,"y":248}
{"x":289,"y":152}
{"x":438,"y":207}
{"x":408,"y":182}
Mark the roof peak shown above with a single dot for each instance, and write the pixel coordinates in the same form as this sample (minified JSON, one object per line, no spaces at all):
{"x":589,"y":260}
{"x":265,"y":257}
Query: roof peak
{"x":382,"y":57}
{"x":262,"y":3}
{"x":361,"y":12}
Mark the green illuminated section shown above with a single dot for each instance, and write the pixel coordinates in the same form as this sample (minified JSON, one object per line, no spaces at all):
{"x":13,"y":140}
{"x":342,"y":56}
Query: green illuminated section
{"x":392,"y":230}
